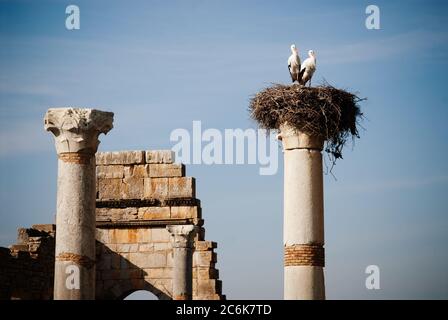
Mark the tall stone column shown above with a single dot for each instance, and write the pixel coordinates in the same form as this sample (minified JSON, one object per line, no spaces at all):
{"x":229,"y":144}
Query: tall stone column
{"x":76,"y":134}
{"x":303,"y":236}
{"x":182,"y":241}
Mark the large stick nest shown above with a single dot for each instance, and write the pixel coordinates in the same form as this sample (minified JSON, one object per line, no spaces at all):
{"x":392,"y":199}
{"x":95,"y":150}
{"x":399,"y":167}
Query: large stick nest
{"x":324,"y":111}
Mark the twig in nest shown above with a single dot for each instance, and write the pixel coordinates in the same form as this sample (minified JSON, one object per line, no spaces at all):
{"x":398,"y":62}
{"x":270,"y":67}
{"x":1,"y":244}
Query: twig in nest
{"x":324,"y":111}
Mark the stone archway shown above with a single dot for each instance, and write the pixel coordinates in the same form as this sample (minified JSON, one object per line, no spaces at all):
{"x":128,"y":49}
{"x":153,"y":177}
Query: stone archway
{"x":139,"y":194}
{"x":140,"y":295}
{"x":123,"y":288}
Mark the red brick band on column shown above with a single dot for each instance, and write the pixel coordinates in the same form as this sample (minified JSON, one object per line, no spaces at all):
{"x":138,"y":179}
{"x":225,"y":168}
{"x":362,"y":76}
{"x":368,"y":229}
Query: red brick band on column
{"x":304,"y":255}
{"x":76,"y":157}
{"x":76,"y":258}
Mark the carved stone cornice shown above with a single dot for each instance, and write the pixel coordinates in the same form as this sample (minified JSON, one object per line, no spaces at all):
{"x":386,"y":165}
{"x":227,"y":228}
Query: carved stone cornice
{"x":182,"y":235}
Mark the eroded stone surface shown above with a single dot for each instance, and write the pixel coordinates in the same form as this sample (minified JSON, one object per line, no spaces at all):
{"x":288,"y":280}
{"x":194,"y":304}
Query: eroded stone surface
{"x":160,"y":156}
{"x":76,"y":129}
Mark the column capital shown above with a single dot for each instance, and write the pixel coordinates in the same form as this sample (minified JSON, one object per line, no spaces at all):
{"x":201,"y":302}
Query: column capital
{"x":182,"y":235}
{"x":77,"y":130}
{"x":293,"y":138}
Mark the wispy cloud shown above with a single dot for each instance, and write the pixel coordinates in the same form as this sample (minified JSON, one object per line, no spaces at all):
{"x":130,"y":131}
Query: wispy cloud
{"x":399,"y":184}
{"x":417,"y":42}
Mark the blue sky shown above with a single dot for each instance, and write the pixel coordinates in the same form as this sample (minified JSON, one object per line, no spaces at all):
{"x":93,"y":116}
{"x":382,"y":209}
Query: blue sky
{"x":159,"y":65}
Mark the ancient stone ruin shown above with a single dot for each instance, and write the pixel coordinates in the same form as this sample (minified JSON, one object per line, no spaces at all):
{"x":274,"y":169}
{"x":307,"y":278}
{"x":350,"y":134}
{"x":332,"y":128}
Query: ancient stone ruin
{"x":126,"y":221}
{"x":139,"y":193}
{"x":27,"y":267}
{"x":130,"y":220}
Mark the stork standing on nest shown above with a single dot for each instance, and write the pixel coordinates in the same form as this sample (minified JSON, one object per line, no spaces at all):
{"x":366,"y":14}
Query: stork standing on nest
{"x":294,"y":64}
{"x":307,"y":69}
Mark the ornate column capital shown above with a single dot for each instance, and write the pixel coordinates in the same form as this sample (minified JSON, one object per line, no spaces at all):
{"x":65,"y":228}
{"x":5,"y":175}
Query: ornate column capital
{"x":295,"y":139}
{"x":182,"y":235}
{"x":77,"y":130}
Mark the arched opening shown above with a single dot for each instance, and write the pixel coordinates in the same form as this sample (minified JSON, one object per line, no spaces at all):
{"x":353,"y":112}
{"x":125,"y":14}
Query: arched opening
{"x":141,"y":295}
{"x":136,"y":290}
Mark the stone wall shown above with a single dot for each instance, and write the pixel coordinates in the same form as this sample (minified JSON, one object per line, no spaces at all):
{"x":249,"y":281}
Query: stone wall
{"x":27,"y":268}
{"x":139,"y":194}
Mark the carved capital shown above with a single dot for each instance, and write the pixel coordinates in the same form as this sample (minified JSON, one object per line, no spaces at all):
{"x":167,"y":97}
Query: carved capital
{"x":77,"y":130}
{"x":182,"y":235}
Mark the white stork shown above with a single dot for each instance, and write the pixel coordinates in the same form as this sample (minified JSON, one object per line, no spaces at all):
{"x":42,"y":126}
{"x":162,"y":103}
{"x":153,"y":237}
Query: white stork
{"x":294,"y":64}
{"x":308,"y":69}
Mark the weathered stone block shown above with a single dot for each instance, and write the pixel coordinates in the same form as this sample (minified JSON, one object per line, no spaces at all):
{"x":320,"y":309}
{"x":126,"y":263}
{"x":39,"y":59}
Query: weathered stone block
{"x":132,"y":188}
{"x":209,"y":287}
{"x":112,"y":171}
{"x":154,"y":213}
{"x":200,"y":234}
{"x":156,"y":188}
{"x":136,"y":171}
{"x":116,"y":214}
{"x":205,"y":245}
{"x":19,"y":248}
{"x":182,"y":187}
{"x":22,"y":236}
{"x":158,"y":273}
{"x":162,"y":246}
{"x":161,"y":170}
{"x":148,"y":260}
{"x":102,"y":214}
{"x":160,"y":156}
{"x":160,"y":235}
{"x":123,"y":235}
{"x":129,"y":213}
{"x":146,"y":247}
{"x":170,"y":259}
{"x":144,"y":235}
{"x":205,"y":273}
{"x":102,"y":235}
{"x":127,"y":247}
{"x":185,"y":212}
{"x":109,"y":188}
{"x":50,"y":228}
{"x":164,"y":285}
{"x":204,"y":258}
{"x":120,"y":157}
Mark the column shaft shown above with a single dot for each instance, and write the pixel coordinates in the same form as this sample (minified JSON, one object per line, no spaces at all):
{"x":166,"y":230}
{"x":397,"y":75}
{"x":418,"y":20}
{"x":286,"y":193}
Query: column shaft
{"x":303,"y":217}
{"x":183,"y":274}
{"x":76,"y":139}
{"x":75,"y":227}
{"x":182,"y":242}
